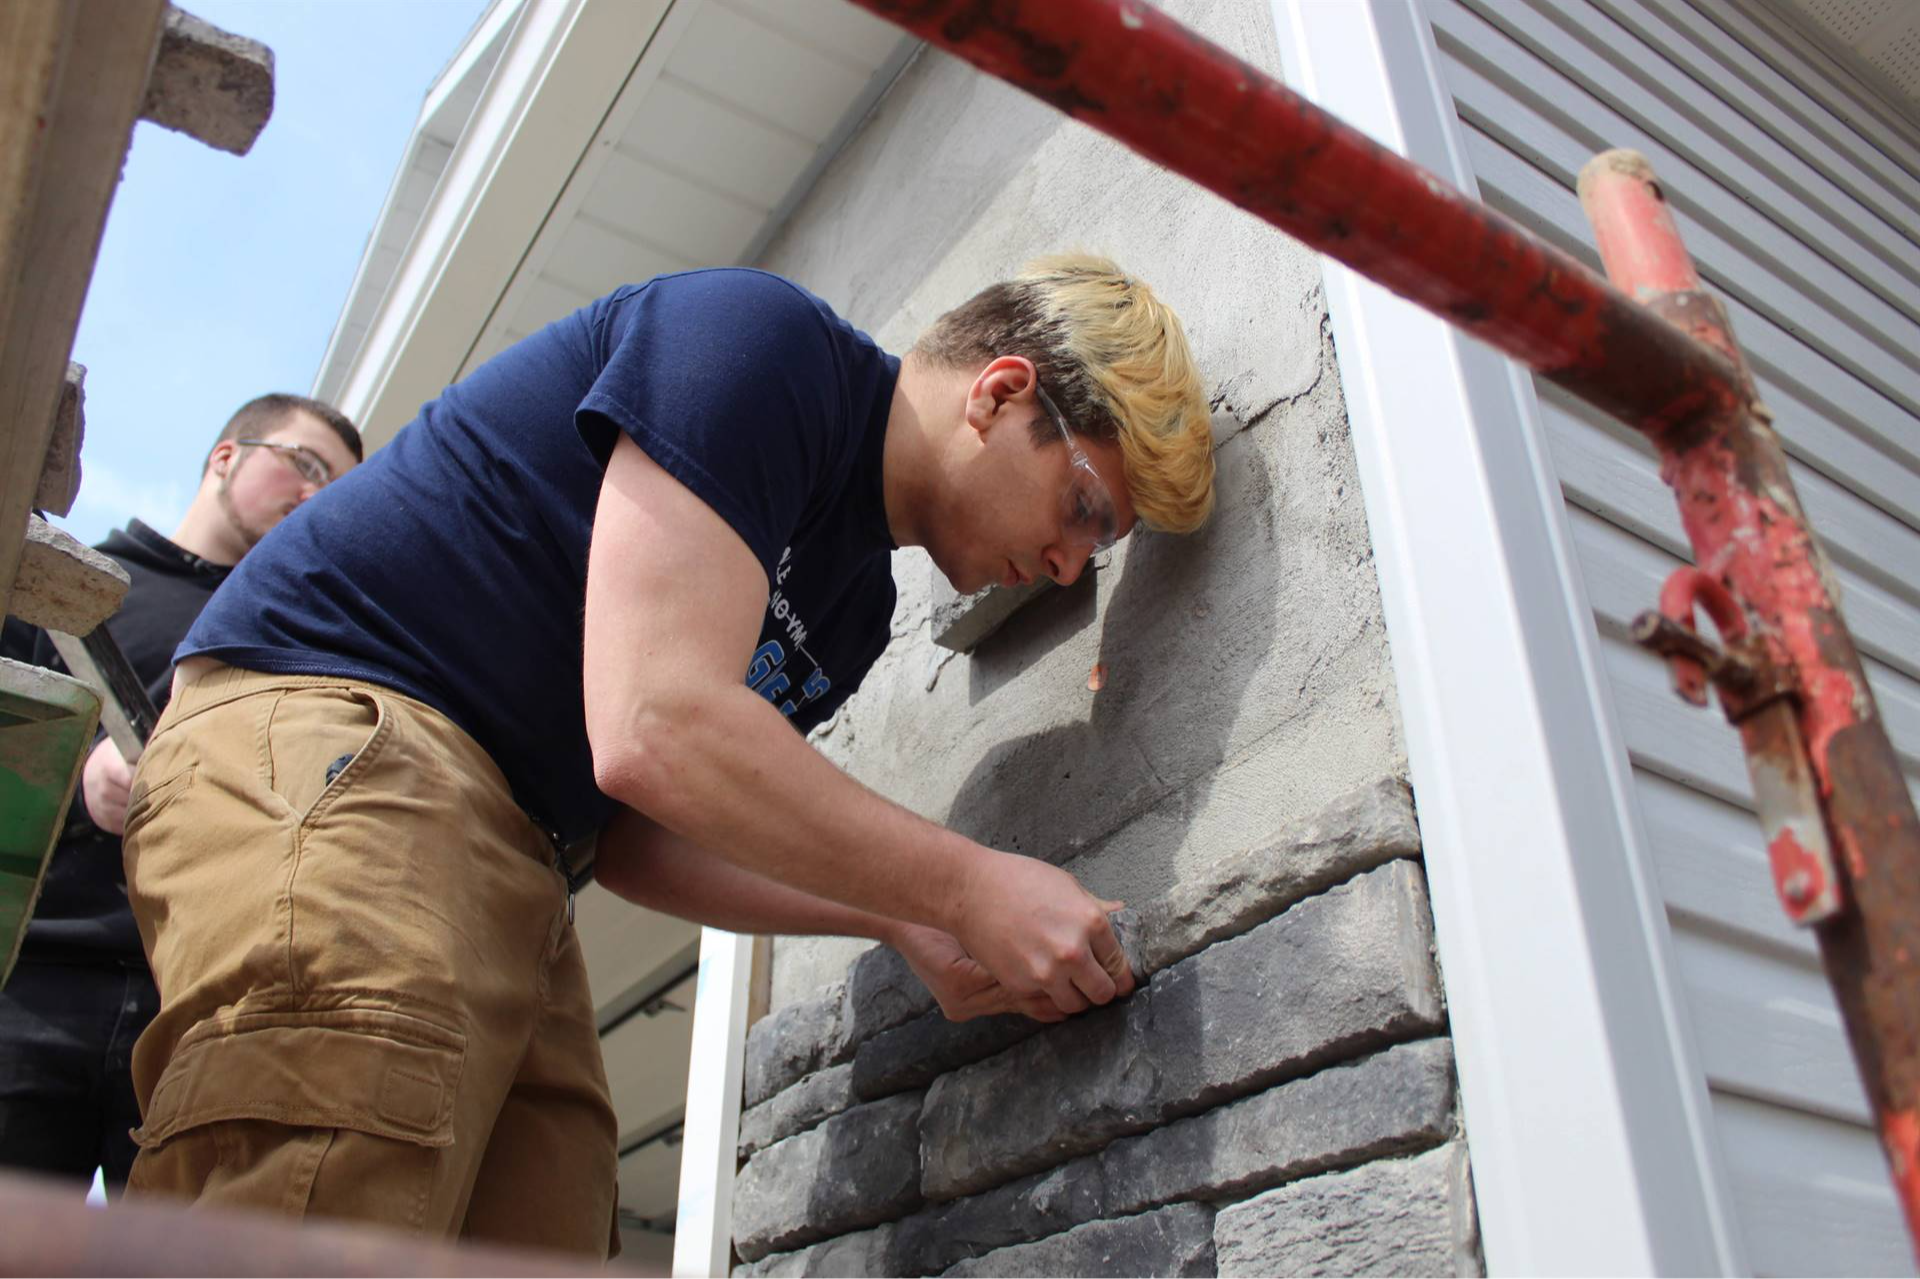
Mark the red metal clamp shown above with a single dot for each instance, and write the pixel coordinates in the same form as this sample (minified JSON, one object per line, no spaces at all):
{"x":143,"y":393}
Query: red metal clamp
{"x":1760,"y":699}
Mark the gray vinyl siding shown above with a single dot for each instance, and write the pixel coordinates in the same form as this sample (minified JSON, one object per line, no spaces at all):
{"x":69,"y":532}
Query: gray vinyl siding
{"x":1799,"y":201}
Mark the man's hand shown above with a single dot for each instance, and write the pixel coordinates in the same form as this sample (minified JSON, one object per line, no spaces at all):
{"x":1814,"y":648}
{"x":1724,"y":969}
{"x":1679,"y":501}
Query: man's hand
{"x":104,"y":784}
{"x":964,"y":989}
{"x":1040,"y":933}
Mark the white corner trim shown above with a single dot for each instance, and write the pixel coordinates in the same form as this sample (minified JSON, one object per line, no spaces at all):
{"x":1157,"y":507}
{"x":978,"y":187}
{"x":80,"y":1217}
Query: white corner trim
{"x":703,"y":1229}
{"x":1586,"y":1113}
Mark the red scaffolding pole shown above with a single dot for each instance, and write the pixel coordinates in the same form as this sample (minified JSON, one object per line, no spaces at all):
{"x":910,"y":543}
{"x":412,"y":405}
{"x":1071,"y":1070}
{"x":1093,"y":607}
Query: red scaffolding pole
{"x":1840,"y":826}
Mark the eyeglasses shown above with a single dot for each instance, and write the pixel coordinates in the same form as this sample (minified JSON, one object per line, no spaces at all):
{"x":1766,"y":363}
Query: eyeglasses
{"x":1092,"y":520}
{"x":312,"y":467}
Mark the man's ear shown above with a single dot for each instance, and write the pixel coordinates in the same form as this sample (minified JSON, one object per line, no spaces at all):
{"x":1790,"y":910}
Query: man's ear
{"x":220,"y":460}
{"x":1008,"y":379}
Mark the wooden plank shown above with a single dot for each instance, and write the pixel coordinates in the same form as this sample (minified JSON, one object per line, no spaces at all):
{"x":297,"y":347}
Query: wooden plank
{"x":695,"y":224}
{"x":76,"y":73}
{"x":1812,"y":1193}
{"x":698,"y":135}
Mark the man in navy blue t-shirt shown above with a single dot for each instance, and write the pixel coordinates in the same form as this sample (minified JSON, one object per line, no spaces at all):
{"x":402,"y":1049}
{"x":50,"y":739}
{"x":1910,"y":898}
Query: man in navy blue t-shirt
{"x":568,"y":607}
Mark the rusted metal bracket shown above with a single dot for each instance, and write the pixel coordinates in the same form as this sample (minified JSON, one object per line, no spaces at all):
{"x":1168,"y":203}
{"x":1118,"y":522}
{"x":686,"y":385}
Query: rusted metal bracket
{"x":1761,"y":700}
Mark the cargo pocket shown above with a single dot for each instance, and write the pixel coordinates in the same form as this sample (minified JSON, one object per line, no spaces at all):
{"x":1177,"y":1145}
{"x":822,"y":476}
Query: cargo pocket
{"x":338,"y":1113}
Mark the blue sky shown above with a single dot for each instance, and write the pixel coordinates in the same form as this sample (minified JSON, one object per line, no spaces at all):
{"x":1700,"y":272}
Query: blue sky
{"x":220,"y":277}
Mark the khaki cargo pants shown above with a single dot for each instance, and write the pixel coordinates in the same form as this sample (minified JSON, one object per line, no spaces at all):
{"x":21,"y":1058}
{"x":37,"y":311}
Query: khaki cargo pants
{"x":373,"y":1005}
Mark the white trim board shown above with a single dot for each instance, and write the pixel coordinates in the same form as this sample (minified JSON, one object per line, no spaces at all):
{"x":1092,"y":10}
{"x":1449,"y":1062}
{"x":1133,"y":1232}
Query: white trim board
{"x":1587,"y":1117}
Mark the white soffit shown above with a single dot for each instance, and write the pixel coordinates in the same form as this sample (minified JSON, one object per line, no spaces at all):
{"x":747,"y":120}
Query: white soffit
{"x":728,"y":118}
{"x":604,"y":141}
{"x":1877,"y":40}
{"x":449,"y":104}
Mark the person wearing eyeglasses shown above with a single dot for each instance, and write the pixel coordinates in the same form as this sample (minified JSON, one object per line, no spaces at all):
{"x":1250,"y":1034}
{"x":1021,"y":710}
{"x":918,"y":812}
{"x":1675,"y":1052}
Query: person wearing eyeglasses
{"x":576,"y":611}
{"x":81,"y":993}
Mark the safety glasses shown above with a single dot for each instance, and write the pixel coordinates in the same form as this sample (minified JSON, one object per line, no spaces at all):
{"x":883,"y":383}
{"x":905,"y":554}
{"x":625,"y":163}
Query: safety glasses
{"x":1087,"y":505}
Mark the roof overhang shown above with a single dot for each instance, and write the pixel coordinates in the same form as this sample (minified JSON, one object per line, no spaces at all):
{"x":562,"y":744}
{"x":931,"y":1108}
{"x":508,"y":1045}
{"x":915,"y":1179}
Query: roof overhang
{"x":576,"y":145}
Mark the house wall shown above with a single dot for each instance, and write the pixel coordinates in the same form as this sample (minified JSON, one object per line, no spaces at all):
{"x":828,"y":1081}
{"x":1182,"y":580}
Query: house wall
{"x":1799,"y":200}
{"x":1280,"y":1095}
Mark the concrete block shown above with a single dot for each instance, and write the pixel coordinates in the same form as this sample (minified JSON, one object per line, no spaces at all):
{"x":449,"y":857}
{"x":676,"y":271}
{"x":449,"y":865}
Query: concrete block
{"x":1395,"y":1217}
{"x":864,"y":1253}
{"x":210,"y":84}
{"x":819,"y":1096}
{"x":1364,"y":828}
{"x":1338,"y":975}
{"x":961,"y":621}
{"x":1391,"y":1103}
{"x":795,"y":1042}
{"x":60,"y":475}
{"x":857,"y":1169}
{"x":63,"y":585}
{"x":1171,"y":1241}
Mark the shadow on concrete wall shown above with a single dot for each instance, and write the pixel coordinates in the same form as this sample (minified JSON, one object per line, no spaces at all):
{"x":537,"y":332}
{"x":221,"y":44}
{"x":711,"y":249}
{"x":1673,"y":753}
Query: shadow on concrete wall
{"x":1185,"y":631}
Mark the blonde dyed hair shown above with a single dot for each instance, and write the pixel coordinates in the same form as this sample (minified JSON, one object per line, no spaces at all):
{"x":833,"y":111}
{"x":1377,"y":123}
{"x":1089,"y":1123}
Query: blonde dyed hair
{"x":1113,"y":356}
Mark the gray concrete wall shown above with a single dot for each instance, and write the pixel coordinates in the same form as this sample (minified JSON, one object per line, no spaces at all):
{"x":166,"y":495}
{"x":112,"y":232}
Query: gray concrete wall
{"x":1247,"y":676}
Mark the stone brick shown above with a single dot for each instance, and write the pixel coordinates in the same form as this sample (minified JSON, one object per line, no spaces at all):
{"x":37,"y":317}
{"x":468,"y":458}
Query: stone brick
{"x":1046,"y":1203}
{"x":882,"y":992}
{"x":795,"y":1042}
{"x":62,"y":584}
{"x":914,"y":1055}
{"x":1171,"y":1241}
{"x":868,"y":1252}
{"x":60,"y":475}
{"x":819,"y":1096}
{"x":1357,"y":832}
{"x":1363,"y":829}
{"x":1339,"y":974}
{"x":857,"y":1169}
{"x":210,"y":84}
{"x":1390,"y":1103}
{"x":1395,"y":1217}
{"x":1393,"y":1102}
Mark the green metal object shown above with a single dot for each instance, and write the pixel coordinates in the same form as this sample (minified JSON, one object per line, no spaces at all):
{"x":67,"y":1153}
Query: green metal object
{"x":46,"y":729}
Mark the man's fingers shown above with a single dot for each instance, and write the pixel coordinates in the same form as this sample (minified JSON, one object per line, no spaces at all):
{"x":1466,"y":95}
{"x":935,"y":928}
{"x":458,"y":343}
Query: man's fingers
{"x":1113,"y":960}
{"x":1067,"y":997}
{"x":1095,"y":982}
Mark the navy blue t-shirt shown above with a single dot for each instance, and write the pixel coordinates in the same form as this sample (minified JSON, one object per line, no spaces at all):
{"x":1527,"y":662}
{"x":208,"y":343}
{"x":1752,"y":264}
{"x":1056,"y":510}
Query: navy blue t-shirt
{"x":452,"y":566}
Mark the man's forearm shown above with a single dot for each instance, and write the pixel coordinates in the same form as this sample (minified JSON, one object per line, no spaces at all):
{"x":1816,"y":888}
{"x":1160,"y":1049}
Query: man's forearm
{"x":729,"y":775}
{"x":644,"y":862}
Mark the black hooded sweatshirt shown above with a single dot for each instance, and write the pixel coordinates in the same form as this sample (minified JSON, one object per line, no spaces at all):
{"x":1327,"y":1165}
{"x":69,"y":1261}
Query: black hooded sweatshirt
{"x":83,"y":914}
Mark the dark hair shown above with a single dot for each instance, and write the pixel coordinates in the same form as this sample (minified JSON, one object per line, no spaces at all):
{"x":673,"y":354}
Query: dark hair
{"x":268,"y":412}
